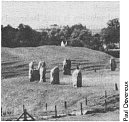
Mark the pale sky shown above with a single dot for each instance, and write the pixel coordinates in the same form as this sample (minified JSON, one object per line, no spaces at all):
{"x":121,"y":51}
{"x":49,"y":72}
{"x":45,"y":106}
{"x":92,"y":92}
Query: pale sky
{"x":39,"y":14}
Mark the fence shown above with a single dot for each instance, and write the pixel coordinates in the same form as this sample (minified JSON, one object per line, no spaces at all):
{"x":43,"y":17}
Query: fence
{"x":103,"y":105}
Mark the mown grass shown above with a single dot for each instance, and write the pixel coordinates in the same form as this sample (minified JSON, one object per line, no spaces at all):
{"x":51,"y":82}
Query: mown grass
{"x":15,"y":60}
{"x":17,"y":90}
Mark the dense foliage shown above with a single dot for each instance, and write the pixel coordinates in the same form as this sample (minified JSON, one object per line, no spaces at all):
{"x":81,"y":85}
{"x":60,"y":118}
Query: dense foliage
{"x":111,"y":34}
{"x":76,"y":35}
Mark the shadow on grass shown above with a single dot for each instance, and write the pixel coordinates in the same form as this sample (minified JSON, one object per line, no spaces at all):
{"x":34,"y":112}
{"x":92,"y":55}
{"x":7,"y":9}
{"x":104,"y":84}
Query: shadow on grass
{"x":102,"y":110}
{"x":112,"y":100}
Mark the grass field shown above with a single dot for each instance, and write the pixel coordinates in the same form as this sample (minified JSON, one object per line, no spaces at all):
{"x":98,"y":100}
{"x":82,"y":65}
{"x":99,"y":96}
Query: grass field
{"x":16,"y":89}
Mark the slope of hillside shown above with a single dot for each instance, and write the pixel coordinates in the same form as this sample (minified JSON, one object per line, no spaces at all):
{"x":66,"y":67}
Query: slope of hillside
{"x":15,"y":60}
{"x":16,"y":89}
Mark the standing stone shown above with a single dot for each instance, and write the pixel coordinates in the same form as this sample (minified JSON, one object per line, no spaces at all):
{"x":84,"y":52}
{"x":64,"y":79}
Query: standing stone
{"x":113,"y":64}
{"x":39,"y":64}
{"x":42,"y":72}
{"x":54,"y":75}
{"x":33,"y":73}
{"x":31,"y":65}
{"x":31,"y":68}
{"x":77,"y":78}
{"x":64,"y":66}
{"x":67,"y":67}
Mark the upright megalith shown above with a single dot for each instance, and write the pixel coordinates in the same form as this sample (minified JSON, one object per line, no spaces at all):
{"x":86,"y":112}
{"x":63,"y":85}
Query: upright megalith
{"x":77,"y":77}
{"x":33,"y":73}
{"x":31,"y":68}
{"x":31,"y":65}
{"x":67,"y":67}
{"x":39,"y":64}
{"x":113,"y":64}
{"x":42,"y":71}
{"x":54,"y":75}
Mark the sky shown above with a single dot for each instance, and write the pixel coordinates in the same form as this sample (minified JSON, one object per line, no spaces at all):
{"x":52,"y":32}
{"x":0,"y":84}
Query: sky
{"x":41,"y":14}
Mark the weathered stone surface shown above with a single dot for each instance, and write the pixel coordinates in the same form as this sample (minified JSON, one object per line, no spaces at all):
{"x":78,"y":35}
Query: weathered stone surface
{"x":34,"y":75}
{"x":67,"y":67}
{"x":77,"y":78}
{"x":31,"y":68}
{"x":42,"y":72}
{"x":113,"y":64}
{"x":54,"y":75}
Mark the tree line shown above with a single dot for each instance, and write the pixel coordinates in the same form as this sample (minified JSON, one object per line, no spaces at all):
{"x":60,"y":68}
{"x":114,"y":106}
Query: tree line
{"x":76,"y":35}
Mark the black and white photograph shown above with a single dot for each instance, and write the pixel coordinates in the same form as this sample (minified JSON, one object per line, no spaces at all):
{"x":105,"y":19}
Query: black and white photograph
{"x":60,"y":61}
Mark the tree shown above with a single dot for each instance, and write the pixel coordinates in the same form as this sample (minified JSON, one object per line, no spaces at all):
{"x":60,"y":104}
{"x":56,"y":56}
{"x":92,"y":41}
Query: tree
{"x":111,"y":34}
{"x":54,"y":37}
{"x":96,"y":43}
{"x":76,"y":42}
{"x":44,"y":38}
{"x":65,"y":33}
{"x":8,"y":35}
{"x":86,"y":36}
{"x":26,"y":36}
{"x":82,"y":34}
